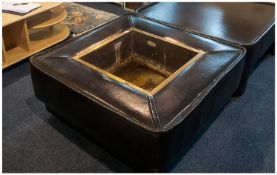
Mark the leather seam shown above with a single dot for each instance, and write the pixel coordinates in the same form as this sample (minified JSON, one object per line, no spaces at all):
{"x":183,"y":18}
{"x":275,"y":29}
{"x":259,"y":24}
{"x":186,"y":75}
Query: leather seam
{"x":196,"y":101}
{"x":94,"y":98}
{"x":154,"y":114}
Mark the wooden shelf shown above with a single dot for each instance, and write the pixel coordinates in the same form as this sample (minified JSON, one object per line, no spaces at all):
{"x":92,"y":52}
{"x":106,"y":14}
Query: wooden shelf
{"x":32,"y":33}
{"x":38,"y":42}
{"x":41,"y":40}
{"x":8,"y":18}
{"x":14,"y":55}
{"x":47,"y":19}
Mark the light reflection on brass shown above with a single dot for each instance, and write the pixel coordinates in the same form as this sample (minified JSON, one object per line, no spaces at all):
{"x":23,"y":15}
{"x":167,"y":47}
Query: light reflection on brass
{"x":138,"y":72}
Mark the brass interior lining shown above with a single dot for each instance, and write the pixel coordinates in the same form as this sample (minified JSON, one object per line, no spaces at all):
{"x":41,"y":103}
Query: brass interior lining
{"x":117,"y":72}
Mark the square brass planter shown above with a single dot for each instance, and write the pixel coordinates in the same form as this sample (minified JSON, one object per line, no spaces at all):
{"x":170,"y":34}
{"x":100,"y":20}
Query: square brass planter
{"x":139,"y":59}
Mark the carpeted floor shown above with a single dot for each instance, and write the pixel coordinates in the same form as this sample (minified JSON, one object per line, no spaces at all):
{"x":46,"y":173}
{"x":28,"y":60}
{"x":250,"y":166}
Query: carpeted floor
{"x":241,"y":139}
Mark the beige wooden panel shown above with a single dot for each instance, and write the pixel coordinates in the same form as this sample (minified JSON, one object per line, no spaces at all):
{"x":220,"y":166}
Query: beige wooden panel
{"x":8,"y":19}
{"x":47,"y":19}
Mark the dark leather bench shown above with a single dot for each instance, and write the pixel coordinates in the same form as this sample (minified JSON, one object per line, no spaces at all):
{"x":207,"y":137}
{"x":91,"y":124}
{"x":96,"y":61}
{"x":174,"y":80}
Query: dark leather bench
{"x":250,"y":25}
{"x":148,"y":126}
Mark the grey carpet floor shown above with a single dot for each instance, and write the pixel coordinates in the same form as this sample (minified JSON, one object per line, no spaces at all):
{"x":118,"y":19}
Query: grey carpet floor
{"x":241,"y":139}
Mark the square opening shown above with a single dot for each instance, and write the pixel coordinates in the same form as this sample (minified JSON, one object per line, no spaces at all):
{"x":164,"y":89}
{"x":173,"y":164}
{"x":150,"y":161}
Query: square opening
{"x":139,"y":59}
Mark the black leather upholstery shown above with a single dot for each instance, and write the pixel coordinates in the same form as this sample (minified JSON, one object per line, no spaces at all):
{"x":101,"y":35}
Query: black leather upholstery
{"x":148,"y":132}
{"x":250,"y":25}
